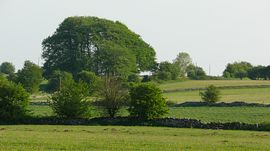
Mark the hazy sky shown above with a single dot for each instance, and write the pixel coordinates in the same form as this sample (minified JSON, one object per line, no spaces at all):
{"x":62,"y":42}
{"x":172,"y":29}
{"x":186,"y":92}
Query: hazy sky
{"x":213,"y":32}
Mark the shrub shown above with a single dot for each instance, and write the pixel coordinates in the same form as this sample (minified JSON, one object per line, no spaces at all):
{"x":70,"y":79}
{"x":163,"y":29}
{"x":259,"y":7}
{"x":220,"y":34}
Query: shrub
{"x":147,"y":101}
{"x":113,"y":96}
{"x":13,"y":100}
{"x":211,"y":94}
{"x":70,"y":101}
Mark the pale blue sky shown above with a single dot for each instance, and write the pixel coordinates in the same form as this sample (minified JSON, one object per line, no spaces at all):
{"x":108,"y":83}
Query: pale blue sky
{"x":213,"y":32}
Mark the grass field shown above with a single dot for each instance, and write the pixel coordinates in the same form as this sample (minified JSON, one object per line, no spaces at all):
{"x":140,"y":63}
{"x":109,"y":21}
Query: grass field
{"x":206,"y":114}
{"x":100,"y":138}
{"x":204,"y":83}
{"x":250,"y":95}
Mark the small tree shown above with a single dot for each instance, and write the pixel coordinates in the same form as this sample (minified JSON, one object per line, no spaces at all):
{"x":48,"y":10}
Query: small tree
{"x":147,"y":101}
{"x":13,"y":100}
{"x":113,"y":96}
{"x":7,"y":68}
{"x":211,"y":94}
{"x":70,"y":101}
{"x":30,"y":77}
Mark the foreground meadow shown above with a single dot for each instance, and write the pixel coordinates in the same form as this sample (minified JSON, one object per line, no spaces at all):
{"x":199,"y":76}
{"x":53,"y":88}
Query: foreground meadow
{"x":29,"y":137}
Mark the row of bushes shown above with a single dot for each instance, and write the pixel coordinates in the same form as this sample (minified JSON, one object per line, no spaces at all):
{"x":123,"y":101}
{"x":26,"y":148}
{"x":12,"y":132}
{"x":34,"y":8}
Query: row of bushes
{"x":73,"y":99}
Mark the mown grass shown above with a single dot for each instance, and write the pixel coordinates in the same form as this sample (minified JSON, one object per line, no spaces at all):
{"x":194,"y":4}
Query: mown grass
{"x":252,"y":115}
{"x":249,"y":95}
{"x":204,"y":83}
{"x":119,"y":138}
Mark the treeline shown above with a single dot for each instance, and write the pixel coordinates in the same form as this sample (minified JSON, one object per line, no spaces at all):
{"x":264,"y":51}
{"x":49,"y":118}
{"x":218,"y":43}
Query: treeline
{"x":245,"y":69}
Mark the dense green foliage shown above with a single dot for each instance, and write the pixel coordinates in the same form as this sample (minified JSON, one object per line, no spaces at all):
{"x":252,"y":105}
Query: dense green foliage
{"x":211,"y":94}
{"x":168,"y":71}
{"x":91,"y":79}
{"x":30,"y":76}
{"x":259,"y":72}
{"x":7,"y":68}
{"x":13,"y":100}
{"x":113,"y":96}
{"x":147,"y":101}
{"x":58,"y":79}
{"x":195,"y":72}
{"x":113,"y":60}
{"x":79,"y":40}
{"x":70,"y":101}
{"x":237,"y":70}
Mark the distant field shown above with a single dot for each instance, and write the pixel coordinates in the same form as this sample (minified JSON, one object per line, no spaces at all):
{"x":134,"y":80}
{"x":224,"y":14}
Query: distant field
{"x":252,"y":115}
{"x":250,"y":95}
{"x":206,"y":114}
{"x":204,"y":83}
{"x":119,"y":138}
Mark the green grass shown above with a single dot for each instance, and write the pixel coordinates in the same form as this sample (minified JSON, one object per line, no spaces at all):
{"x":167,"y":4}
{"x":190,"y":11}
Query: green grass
{"x":250,"y":95}
{"x":204,"y":83}
{"x":251,"y":115}
{"x":206,"y":114}
{"x":118,"y":138}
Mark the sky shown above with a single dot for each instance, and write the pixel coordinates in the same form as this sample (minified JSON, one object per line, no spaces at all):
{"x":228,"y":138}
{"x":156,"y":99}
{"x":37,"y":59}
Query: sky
{"x":213,"y":32}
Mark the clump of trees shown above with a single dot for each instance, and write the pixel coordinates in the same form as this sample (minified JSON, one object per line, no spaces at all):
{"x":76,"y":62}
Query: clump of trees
{"x":237,"y":70}
{"x":259,"y":72}
{"x":211,"y":94}
{"x":30,"y":76}
{"x":98,"y":45}
{"x":147,"y":102}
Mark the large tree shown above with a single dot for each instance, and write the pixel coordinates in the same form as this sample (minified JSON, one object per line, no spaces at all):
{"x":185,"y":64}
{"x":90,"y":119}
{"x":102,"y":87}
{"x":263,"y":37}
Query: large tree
{"x":183,"y":60}
{"x":73,"y":46}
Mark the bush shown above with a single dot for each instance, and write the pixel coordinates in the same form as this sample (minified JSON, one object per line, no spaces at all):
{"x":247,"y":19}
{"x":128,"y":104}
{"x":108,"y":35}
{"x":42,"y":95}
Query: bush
{"x":147,"y":101}
{"x":13,"y":100}
{"x":70,"y":101}
{"x":211,"y":94}
{"x":113,"y":96}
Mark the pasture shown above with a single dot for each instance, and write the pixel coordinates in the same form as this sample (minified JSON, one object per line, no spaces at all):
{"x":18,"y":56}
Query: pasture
{"x":119,"y":138}
{"x":188,"y":84}
{"x":252,"y":115}
{"x":249,"y":95}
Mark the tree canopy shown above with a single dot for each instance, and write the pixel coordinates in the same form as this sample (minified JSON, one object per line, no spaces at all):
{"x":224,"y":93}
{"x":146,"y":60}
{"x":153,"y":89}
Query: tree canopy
{"x":30,"y":76}
{"x":7,"y":68}
{"x":78,"y":40}
{"x":237,"y":70}
{"x":183,"y":60}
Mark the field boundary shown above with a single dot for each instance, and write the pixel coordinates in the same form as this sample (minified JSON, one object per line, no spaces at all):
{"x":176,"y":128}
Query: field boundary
{"x":220,"y":104}
{"x":129,"y":121}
